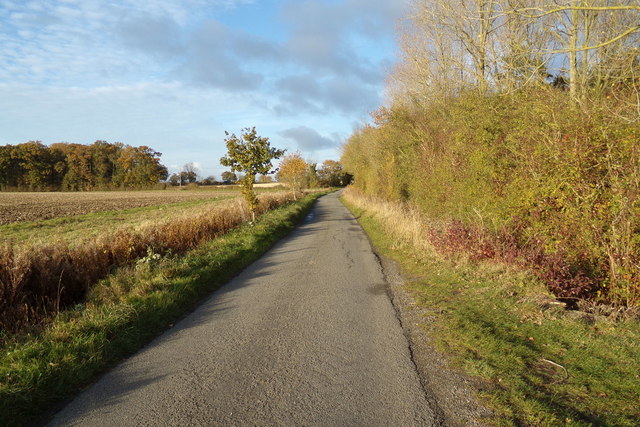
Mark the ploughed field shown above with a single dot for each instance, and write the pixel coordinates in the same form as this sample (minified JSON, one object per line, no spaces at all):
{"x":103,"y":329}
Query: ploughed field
{"x":76,"y":217}
{"x":17,"y":207}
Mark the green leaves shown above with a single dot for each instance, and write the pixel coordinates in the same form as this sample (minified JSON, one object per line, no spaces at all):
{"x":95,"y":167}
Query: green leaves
{"x":252,"y":155}
{"x":77,"y":167}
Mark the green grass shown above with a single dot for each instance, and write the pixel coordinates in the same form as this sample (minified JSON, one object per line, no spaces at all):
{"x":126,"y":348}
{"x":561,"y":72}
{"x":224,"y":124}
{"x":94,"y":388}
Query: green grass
{"x":497,"y":325}
{"x":79,"y":228}
{"x":124,"y":312}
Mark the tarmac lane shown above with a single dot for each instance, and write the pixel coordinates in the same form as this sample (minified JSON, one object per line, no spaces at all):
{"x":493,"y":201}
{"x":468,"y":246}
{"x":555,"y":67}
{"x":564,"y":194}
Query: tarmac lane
{"x":306,"y":335}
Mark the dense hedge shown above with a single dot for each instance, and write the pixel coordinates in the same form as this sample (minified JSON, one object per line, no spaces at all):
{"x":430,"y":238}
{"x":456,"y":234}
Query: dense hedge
{"x":527,"y":177}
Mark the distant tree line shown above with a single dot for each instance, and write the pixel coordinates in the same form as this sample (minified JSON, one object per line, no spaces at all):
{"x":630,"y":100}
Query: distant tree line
{"x":189,"y":175}
{"x":33,"y":166}
{"x":299,"y":174}
{"x":332,"y":174}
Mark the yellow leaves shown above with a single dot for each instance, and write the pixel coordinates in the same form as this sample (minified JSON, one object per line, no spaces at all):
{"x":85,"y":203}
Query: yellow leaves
{"x":293,"y":170}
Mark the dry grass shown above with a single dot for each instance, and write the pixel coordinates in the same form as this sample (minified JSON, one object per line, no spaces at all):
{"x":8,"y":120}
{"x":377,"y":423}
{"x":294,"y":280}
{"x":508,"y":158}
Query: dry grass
{"x":401,"y":221}
{"x":535,"y":362}
{"x":36,"y":281}
{"x":124,"y":312}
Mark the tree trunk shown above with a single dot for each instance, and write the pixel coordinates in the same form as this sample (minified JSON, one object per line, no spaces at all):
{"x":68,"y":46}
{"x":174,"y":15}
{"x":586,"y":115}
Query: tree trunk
{"x":573,"y":53}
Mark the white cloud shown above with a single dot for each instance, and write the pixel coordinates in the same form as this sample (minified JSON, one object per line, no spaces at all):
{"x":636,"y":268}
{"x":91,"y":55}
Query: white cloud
{"x":90,"y":41}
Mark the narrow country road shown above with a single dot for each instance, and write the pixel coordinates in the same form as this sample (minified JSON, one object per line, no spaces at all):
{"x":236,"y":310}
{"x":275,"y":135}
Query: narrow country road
{"x":304,"y":336}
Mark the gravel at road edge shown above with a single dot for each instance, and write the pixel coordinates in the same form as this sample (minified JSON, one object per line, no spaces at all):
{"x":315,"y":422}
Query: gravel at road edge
{"x":450,"y":393}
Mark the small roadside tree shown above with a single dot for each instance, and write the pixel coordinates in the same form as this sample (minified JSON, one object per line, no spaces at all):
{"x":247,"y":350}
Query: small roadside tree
{"x":293,"y":172}
{"x":252,"y":155}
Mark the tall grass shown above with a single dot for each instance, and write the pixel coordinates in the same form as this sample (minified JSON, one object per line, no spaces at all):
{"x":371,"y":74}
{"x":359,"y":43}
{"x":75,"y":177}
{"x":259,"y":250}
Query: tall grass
{"x":402,"y":221}
{"x":36,"y":282}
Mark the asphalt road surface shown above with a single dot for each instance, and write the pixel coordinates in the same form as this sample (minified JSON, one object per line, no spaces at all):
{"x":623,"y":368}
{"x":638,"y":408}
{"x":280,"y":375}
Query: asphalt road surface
{"x":305,"y":336}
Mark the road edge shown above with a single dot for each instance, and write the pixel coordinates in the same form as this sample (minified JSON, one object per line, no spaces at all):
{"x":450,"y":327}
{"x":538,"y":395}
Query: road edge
{"x":450,"y":393}
{"x":43,"y":411}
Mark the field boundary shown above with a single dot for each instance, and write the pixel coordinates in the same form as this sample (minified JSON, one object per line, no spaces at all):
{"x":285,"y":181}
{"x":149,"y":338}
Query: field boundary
{"x":124,"y":312}
{"x":37,"y":281}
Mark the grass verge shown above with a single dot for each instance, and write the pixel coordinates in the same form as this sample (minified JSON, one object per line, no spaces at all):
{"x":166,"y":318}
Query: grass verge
{"x":124,"y":312}
{"x":535,"y":362}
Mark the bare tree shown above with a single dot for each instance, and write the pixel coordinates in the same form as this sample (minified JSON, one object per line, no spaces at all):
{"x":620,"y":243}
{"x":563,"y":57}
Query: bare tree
{"x":189,"y":173}
{"x":502,"y":45}
{"x":587,"y":35}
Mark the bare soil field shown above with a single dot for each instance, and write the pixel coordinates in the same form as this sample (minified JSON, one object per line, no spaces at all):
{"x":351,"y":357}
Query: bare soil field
{"x":18,"y":207}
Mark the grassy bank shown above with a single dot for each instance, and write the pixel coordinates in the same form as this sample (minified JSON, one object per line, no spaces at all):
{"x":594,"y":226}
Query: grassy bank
{"x":125,"y":311}
{"x":535,"y":362}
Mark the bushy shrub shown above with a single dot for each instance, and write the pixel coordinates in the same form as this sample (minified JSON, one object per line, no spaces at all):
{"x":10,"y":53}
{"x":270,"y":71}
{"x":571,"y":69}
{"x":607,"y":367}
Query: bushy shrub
{"x":526,"y":173}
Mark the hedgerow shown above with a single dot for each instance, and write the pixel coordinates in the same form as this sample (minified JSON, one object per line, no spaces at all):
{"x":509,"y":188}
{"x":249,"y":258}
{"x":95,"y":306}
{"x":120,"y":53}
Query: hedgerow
{"x":526,"y":177}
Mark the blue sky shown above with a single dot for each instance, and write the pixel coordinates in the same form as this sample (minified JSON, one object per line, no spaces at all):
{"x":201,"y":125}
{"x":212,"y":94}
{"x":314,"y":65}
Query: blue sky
{"x":175,"y":74}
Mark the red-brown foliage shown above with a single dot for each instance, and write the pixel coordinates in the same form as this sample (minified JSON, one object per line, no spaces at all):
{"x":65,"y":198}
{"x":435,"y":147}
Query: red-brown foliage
{"x":569,"y":282}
